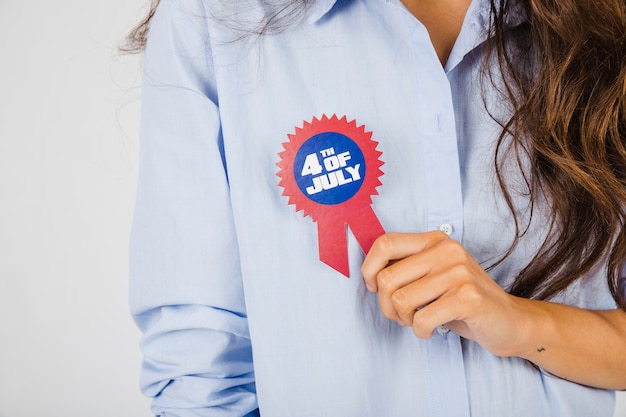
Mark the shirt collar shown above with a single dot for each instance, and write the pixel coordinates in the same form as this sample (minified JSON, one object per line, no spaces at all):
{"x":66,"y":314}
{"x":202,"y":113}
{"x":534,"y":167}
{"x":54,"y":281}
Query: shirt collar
{"x":476,"y":28}
{"x":516,"y":16}
{"x":319,"y":9}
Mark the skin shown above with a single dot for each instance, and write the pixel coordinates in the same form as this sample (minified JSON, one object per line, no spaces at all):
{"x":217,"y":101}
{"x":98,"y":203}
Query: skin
{"x":427,"y":279}
{"x":443,"y":20}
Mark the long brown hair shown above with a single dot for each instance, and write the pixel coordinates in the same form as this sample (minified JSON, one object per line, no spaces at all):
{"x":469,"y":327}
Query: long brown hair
{"x":565,"y":76}
{"x":135,"y":42}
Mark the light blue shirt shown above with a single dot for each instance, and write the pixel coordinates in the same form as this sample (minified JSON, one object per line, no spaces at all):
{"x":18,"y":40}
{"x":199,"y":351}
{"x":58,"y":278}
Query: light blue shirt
{"x":239,"y":313}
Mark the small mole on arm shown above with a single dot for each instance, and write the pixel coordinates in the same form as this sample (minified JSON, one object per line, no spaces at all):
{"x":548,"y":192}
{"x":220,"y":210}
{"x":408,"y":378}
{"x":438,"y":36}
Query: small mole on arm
{"x":541,"y":349}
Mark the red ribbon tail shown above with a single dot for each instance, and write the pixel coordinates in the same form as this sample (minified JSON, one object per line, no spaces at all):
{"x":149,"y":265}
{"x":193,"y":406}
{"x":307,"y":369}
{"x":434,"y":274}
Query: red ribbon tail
{"x":366,"y":228}
{"x":333,"y":245}
{"x":333,"y":242}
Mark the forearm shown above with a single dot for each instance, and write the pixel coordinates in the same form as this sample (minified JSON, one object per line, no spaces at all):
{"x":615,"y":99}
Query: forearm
{"x":583,"y":346}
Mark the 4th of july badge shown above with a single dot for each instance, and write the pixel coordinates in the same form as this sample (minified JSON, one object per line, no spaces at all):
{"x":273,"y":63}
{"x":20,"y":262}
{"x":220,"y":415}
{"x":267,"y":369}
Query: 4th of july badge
{"x":330,"y":169}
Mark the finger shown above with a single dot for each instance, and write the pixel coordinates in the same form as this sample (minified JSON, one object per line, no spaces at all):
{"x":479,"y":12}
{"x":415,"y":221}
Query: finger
{"x":455,"y":306}
{"x":406,"y":300}
{"x":400,"y":292}
{"x":394,"y":246}
{"x":398,"y":288}
{"x":440,"y":312}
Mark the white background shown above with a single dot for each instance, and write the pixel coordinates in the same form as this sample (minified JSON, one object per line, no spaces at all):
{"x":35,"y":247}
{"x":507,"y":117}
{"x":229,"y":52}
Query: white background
{"x":68,"y":149}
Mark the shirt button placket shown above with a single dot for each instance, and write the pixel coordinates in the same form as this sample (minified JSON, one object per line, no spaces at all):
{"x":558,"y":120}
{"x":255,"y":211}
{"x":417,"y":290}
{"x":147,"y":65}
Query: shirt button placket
{"x":444,"y":212}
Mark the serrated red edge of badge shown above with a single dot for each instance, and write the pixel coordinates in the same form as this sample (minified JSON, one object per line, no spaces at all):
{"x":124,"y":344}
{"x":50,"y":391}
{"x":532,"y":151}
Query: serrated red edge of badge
{"x":364,"y":141}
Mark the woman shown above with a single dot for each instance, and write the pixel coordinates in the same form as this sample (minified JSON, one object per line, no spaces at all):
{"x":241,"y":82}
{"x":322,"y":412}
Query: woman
{"x":475,"y":150}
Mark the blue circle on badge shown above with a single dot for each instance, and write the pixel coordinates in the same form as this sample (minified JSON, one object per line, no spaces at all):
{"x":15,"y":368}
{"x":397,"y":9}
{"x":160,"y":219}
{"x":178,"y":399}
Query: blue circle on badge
{"x":329,"y":168}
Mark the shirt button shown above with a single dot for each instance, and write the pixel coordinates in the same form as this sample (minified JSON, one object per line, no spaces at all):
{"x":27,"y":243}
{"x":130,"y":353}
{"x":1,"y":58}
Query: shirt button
{"x":446,"y":228}
{"x":442,"y":330}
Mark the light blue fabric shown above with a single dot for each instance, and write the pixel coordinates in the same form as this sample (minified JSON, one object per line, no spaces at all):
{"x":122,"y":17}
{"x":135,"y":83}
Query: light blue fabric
{"x":238,"y":312}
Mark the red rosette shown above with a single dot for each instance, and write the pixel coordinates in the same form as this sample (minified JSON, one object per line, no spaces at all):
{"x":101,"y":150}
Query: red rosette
{"x":352,"y":209}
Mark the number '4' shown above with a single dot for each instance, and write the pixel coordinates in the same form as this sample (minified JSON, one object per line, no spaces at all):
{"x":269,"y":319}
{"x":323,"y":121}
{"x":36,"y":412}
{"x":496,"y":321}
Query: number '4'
{"x":311,"y":166}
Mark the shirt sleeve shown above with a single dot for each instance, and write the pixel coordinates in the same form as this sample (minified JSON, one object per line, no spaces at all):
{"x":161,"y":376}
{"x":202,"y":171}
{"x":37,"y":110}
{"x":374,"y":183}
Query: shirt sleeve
{"x":185,"y":286}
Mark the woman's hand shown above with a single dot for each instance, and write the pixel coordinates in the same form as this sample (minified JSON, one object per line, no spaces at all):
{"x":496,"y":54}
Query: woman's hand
{"x":425,"y":280}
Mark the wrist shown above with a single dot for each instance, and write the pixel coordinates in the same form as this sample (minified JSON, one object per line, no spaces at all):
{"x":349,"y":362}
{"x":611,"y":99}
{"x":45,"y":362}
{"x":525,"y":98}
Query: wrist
{"x":536,"y":328}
